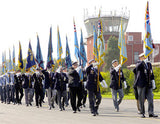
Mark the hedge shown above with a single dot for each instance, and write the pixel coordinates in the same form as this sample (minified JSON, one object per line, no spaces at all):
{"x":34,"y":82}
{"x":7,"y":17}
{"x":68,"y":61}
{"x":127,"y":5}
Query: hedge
{"x":129,"y":75}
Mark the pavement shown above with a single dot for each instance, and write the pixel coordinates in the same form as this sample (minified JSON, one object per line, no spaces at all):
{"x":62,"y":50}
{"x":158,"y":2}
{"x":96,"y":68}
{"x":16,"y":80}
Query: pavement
{"x":20,"y":114}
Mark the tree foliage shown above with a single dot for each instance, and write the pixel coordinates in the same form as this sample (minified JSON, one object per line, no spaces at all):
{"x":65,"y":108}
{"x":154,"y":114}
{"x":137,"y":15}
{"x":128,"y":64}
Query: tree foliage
{"x":112,"y":52}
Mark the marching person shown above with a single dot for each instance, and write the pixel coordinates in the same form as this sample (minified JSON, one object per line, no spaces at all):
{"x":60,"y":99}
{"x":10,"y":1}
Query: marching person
{"x":145,"y":83}
{"x":61,"y":80}
{"x":12,"y":86}
{"x":116,"y":83}
{"x":74,"y":87}
{"x":1,"y":88}
{"x":18,"y":87}
{"x":27,"y":81}
{"x":7,"y":80}
{"x":38,"y":86}
{"x":92,"y":86}
{"x":50,"y":86}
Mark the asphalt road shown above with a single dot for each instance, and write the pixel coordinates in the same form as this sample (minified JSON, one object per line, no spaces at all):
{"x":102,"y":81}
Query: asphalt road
{"x":20,"y":114}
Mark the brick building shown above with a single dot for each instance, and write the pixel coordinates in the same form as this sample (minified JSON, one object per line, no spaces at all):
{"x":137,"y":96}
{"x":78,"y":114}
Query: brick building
{"x":134,"y":46}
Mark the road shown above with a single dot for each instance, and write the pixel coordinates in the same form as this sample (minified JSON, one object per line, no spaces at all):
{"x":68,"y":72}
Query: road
{"x":20,"y":114}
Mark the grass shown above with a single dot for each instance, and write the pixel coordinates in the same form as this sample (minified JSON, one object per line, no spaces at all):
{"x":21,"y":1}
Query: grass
{"x":130,"y":96}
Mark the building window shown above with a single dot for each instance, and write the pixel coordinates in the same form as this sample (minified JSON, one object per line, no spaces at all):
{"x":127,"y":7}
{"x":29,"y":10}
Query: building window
{"x":130,"y":38}
{"x":136,"y":56}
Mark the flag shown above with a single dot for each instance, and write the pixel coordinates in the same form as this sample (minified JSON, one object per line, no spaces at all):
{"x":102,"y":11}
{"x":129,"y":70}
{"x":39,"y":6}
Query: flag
{"x":100,"y":43}
{"x":95,"y":51}
{"x":82,"y":52}
{"x":147,"y":45}
{"x":10,"y":62}
{"x":3,"y":64}
{"x":50,"y":62}
{"x":122,"y":45}
{"x":31,"y":64}
{"x":68,"y":61}
{"x":76,"y":52}
{"x":20,"y":59}
{"x":59,"y":48}
{"x":13,"y":60}
{"x":39,"y":57}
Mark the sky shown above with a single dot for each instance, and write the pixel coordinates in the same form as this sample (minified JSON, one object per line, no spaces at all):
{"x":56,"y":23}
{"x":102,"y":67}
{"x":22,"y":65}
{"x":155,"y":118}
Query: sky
{"x":21,"y":20}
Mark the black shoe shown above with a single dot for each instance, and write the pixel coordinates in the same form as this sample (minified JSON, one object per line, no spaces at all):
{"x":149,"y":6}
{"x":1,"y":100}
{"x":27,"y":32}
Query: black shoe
{"x":94,"y":114}
{"x":63,"y":108}
{"x":74,"y":112}
{"x":78,"y":109}
{"x":27,"y":105}
{"x":53,"y":106}
{"x":153,"y":115}
{"x":49,"y":108}
{"x":30,"y":104}
{"x":143,"y":116}
{"x":84,"y":105}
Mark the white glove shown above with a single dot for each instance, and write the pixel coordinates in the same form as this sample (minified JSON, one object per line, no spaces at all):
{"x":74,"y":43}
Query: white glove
{"x":125,"y":84}
{"x":153,"y":84}
{"x":104,"y":84}
{"x":95,"y":64}
{"x":117,"y":68}
{"x":146,"y":60}
{"x":78,"y":69}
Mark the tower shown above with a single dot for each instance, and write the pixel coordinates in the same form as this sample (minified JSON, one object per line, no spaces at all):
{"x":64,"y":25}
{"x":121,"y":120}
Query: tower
{"x":111,"y":21}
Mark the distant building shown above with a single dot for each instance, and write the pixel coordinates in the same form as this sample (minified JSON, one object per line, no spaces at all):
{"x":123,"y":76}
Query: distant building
{"x":111,"y":24}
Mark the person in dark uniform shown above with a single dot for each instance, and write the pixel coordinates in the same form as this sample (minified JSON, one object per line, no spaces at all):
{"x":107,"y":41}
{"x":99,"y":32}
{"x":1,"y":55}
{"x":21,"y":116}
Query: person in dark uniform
{"x":116,"y":85}
{"x":74,"y":87}
{"x":92,"y":86}
{"x":61,"y":80}
{"x":27,"y":81}
{"x":84,"y":90}
{"x":18,"y":87}
{"x":50,"y":86}
{"x":145,"y":83}
{"x":38,"y":86}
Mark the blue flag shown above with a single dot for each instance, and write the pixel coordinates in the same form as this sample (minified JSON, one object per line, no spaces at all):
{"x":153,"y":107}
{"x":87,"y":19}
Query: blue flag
{"x":31,"y":64}
{"x":95,"y":50}
{"x":39,"y":57}
{"x":122,"y":45}
{"x":50,"y":62}
{"x":10,"y":62}
{"x":147,"y":45}
{"x":3,"y":64}
{"x":13,"y":59}
{"x":82,"y":52}
{"x":59,"y":48}
{"x":76,"y":52}
{"x":20,"y":59}
{"x":68,"y":61}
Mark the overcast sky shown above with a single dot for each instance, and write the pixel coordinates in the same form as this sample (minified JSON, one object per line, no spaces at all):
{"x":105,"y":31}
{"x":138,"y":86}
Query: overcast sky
{"x":20,"y":20}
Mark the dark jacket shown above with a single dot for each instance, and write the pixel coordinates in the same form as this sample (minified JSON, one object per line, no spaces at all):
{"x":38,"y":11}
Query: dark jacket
{"x":92,"y":76}
{"x":38,"y":86}
{"x":144,"y":74}
{"x":114,"y":76}
{"x":61,"y":80}
{"x":18,"y":81}
{"x":49,"y":79}
{"x":27,"y":81}
{"x":74,"y":79}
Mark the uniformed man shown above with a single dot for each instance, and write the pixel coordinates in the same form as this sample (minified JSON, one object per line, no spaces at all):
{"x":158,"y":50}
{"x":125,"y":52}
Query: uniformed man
{"x":116,"y":83}
{"x":145,"y":83}
{"x":50,"y":86}
{"x":74,"y":87}
{"x":38,"y":86}
{"x":18,"y":87}
{"x":93,"y":86}
{"x":12,"y":86}
{"x":61,"y":80}
{"x":27,"y":80}
{"x":7,"y":80}
{"x":1,"y":88}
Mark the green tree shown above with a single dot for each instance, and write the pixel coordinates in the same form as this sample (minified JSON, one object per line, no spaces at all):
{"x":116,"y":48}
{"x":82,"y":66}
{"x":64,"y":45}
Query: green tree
{"x":112,"y":52}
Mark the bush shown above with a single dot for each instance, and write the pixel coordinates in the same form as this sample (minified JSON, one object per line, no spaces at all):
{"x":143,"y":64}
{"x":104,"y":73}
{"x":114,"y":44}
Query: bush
{"x":129,"y":76}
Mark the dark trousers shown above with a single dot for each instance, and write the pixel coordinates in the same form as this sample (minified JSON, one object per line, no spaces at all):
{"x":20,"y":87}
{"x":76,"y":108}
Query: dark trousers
{"x":60,"y":95}
{"x":94,"y":100}
{"x":84,"y":97}
{"x":39,"y":96}
{"x":19,"y":91}
{"x":13,"y":93}
{"x":75,"y":92}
